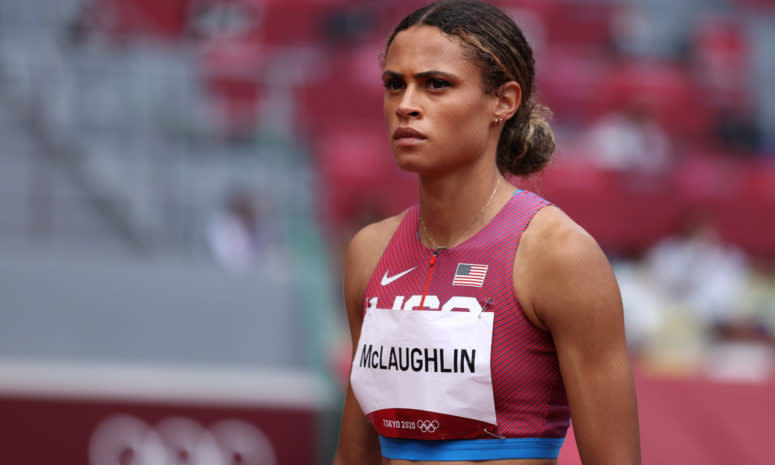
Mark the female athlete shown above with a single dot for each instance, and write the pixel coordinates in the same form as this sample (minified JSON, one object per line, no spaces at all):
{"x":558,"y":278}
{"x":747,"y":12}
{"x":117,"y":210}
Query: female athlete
{"x":484,"y":318}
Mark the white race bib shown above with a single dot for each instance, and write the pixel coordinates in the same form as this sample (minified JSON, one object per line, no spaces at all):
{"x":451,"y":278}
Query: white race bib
{"x":425,"y":374}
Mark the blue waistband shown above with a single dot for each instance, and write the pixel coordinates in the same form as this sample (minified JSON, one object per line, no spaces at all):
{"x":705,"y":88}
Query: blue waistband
{"x":471,"y":449}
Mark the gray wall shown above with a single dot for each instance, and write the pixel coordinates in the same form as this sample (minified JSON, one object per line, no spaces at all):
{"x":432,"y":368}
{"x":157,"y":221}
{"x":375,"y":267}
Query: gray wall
{"x":65,"y":307}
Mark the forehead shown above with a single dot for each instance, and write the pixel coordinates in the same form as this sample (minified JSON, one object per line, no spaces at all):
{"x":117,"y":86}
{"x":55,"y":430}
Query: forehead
{"x":422,"y":48}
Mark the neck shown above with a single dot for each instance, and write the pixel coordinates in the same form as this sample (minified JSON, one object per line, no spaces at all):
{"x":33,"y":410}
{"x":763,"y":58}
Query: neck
{"x":454,"y":207}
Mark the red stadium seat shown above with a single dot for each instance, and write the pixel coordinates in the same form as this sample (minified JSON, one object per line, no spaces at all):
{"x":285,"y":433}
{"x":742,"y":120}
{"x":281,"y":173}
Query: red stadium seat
{"x":571,"y":83}
{"x":231,"y":70}
{"x":624,"y":216}
{"x":746,"y":216}
{"x":577,"y":26}
{"x":667,"y":89}
{"x":343,"y":92}
{"x":359,"y":173}
{"x":131,"y":18}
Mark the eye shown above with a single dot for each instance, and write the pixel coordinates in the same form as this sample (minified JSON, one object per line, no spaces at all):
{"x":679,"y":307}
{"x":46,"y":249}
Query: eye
{"x":393,"y":84}
{"x":437,"y":83}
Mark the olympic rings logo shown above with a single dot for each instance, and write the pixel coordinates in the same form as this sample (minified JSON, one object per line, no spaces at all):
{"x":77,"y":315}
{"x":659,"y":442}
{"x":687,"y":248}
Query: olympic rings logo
{"x":122,"y":439}
{"x":428,"y":426}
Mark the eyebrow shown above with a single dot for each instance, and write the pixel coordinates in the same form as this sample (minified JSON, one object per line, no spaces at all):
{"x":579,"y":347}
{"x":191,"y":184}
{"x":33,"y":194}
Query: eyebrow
{"x":423,"y":75}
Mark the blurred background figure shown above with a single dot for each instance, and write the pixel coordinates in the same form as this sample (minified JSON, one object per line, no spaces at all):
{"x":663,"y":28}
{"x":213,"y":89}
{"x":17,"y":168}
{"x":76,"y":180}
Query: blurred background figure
{"x":630,"y":140}
{"x":233,"y":233}
{"x":127,"y":124}
{"x":239,"y":234}
{"x":698,"y":270}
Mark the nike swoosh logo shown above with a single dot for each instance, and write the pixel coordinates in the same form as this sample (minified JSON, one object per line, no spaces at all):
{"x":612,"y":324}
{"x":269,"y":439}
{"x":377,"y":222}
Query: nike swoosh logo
{"x":389,"y":279}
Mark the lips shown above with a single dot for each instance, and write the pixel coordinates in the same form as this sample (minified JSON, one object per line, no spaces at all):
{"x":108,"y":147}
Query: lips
{"x":408,"y":133}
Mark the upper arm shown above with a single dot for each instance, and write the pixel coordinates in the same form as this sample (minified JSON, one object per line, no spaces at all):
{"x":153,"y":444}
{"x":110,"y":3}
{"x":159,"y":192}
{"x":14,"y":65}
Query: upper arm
{"x":574,"y":294}
{"x":357,"y":439}
{"x":363,"y":253}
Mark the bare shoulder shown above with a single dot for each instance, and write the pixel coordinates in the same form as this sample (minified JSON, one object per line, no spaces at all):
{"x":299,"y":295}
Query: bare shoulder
{"x":375,"y":236}
{"x":567,"y":268}
{"x":364,"y":252}
{"x":552,"y":235}
{"x":368,"y":244}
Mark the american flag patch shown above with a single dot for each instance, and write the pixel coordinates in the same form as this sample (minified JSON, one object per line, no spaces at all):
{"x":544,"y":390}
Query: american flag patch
{"x":469,"y":275}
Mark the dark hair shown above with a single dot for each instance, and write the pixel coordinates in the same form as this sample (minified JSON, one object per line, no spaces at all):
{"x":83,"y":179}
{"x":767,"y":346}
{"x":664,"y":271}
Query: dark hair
{"x":501,"y":51}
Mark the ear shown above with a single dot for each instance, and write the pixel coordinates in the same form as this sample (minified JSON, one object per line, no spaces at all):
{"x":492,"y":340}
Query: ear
{"x":509,"y":97}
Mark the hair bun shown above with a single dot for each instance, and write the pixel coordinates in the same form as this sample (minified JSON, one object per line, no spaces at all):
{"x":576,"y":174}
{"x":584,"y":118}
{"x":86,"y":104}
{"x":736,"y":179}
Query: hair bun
{"x":527,"y":142}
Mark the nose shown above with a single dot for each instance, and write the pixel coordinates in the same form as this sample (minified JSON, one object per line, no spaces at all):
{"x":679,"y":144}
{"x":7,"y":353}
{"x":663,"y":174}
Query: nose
{"x":407,"y":106}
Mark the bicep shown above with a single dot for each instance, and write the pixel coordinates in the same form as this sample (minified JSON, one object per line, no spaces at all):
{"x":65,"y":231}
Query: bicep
{"x":578,"y":299}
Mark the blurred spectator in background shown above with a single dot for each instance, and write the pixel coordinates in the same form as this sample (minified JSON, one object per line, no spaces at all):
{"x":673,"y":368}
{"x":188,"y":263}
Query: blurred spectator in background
{"x":209,"y":19}
{"x":742,"y":350}
{"x":633,"y":31}
{"x":81,"y":24}
{"x":629,"y":140}
{"x":642,"y":29}
{"x":713,"y":281}
{"x":737,"y":130}
{"x":699,"y":271}
{"x":688,"y":288}
{"x":233,"y":233}
{"x":348,"y":24}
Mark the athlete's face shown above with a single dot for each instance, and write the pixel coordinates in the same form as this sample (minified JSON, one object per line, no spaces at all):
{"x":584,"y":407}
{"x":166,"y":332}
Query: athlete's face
{"x":437,"y":113}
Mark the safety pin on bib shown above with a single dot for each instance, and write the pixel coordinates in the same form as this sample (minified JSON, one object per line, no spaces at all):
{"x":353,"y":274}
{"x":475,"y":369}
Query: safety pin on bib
{"x":487,"y":303}
{"x":494,"y":434}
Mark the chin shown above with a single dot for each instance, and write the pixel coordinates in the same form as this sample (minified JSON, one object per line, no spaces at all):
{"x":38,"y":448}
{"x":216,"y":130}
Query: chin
{"x":412,"y":162}
{"x":419,"y":166}
{"x":424,"y":163}
{"x":410,"y":167}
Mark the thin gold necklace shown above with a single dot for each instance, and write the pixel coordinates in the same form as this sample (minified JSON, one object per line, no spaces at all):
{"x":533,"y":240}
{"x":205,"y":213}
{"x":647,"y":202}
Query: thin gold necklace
{"x":481,"y":211}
